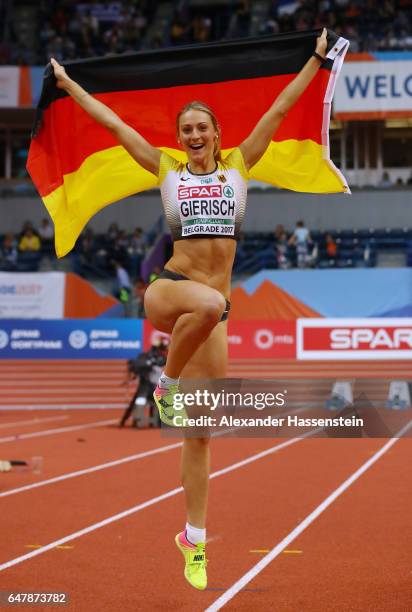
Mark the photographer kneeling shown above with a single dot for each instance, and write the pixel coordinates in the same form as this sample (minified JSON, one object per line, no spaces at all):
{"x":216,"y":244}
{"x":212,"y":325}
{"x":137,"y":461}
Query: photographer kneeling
{"x":147,"y":368}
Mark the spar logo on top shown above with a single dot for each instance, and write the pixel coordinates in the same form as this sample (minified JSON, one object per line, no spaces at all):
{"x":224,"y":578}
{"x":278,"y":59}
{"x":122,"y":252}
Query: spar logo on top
{"x":354,"y":339}
{"x":374,"y":86}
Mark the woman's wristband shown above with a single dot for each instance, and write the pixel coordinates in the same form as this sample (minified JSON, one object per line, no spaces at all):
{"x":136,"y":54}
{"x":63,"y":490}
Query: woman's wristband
{"x":319,"y":57}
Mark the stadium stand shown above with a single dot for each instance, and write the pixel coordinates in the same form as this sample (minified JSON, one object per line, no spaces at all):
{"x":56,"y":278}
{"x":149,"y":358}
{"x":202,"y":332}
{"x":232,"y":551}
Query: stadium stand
{"x":65,"y":29}
{"x":95,"y":254}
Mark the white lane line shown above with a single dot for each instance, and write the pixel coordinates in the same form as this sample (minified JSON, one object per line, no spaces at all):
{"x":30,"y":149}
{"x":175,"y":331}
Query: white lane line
{"x":50,"y":432}
{"x":33,"y":421}
{"x":115,"y":462}
{"x":276,"y":550}
{"x":146,"y":504}
{"x":96,"y":468}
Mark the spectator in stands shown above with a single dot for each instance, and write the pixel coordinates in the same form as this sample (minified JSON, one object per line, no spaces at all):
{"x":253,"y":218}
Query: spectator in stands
{"x":122,"y":239}
{"x":132,"y":27}
{"x":301,"y":240}
{"x":46,"y":233}
{"x":84,"y":253}
{"x":118,"y":250}
{"x":29,"y":242}
{"x":27,"y":225}
{"x":279,"y":231}
{"x":136,"y":250}
{"x":138,"y":241}
{"x":112,"y":233}
{"x":113,"y":40}
{"x":60,"y":19}
{"x":271,"y":26}
{"x":89,"y":28}
{"x":385,"y":182}
{"x":239,"y":26}
{"x":179,"y":31}
{"x":88,"y":243}
{"x":46,"y":34}
{"x":331,"y":248}
{"x":282,"y":251}
{"x":201,"y":27}
{"x":313,"y":256}
{"x":123,"y":287}
{"x":8,"y":254}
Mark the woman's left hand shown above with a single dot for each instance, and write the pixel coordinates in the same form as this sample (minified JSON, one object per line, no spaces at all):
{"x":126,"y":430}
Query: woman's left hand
{"x":322,"y":43}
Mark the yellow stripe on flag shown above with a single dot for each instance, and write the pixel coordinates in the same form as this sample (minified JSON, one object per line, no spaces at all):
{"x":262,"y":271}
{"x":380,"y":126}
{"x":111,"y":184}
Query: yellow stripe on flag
{"x":299,"y":165}
{"x":112,"y":174}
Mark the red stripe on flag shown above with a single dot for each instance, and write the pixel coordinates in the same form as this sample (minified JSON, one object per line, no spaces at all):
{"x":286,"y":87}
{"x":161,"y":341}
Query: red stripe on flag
{"x":69,"y":135}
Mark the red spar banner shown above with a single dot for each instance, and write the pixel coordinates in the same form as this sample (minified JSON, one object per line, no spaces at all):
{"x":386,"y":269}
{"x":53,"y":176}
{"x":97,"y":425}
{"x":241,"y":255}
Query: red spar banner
{"x":354,"y":338}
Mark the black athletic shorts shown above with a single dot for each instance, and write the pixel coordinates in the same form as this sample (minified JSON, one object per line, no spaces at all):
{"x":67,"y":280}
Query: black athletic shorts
{"x":176,"y":277}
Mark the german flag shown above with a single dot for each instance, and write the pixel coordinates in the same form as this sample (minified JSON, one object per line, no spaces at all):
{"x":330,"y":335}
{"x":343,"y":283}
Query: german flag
{"x":78,"y":167}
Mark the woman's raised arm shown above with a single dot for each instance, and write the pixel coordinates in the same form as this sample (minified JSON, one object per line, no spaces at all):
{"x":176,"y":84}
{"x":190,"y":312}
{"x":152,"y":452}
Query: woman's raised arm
{"x":254,"y":146}
{"x":142,"y":151}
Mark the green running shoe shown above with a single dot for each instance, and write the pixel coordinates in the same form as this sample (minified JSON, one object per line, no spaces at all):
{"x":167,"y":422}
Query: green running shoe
{"x":164,"y":399}
{"x":195,"y":561}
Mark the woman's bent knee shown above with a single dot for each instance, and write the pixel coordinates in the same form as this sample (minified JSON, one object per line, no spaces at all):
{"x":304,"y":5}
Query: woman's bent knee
{"x":211,"y":309}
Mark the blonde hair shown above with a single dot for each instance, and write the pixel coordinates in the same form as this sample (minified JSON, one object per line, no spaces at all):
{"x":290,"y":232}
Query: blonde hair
{"x":201,"y":106}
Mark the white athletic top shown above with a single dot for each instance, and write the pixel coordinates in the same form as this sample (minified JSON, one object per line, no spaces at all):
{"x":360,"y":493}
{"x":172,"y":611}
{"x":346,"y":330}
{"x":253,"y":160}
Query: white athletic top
{"x":204,"y":205}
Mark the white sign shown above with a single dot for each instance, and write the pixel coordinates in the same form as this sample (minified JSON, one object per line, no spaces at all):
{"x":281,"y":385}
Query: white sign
{"x":374,"y":87}
{"x":354,"y":338}
{"x":32,"y":296}
{"x":9,"y":86}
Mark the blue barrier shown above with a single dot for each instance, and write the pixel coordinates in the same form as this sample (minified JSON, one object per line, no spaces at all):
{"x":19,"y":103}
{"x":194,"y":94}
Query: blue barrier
{"x":70,"y":338}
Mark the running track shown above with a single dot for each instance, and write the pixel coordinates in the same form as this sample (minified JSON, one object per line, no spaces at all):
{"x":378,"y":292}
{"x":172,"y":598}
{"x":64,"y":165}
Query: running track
{"x":294,"y":525}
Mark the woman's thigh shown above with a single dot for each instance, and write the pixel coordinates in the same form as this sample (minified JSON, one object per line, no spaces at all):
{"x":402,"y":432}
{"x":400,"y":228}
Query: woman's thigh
{"x":210,"y":359}
{"x":166,"y":300}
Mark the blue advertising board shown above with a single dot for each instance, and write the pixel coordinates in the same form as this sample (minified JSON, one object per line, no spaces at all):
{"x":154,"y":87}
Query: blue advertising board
{"x":70,"y":338}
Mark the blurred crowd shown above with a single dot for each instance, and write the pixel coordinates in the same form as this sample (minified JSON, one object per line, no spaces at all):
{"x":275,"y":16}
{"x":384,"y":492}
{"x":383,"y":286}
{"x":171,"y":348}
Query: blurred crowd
{"x":302,"y":248}
{"x":369,"y":25}
{"x":118,"y":256}
{"x":69,"y":29}
{"x":114,"y":256}
{"x":128,"y":262}
{"x":101,"y":250}
{"x":24,"y":251}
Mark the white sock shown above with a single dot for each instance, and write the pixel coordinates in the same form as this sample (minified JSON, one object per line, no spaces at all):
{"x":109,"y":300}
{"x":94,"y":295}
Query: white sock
{"x":194,"y":534}
{"x":166,"y":381}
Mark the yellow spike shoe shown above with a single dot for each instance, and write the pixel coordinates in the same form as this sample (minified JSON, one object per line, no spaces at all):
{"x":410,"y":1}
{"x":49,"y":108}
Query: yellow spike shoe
{"x":195,"y":561}
{"x":168,"y":412}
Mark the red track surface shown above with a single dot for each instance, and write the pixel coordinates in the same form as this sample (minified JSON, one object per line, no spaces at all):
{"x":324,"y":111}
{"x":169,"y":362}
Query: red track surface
{"x":355,"y":556}
{"x":100,"y":384}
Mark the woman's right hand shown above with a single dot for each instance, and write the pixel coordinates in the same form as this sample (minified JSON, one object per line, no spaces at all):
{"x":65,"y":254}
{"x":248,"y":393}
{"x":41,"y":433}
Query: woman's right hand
{"x":59,"y":72}
{"x":322,"y":43}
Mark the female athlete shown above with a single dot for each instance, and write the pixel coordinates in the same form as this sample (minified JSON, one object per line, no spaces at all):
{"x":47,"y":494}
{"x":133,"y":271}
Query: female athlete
{"x":204,"y":202}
